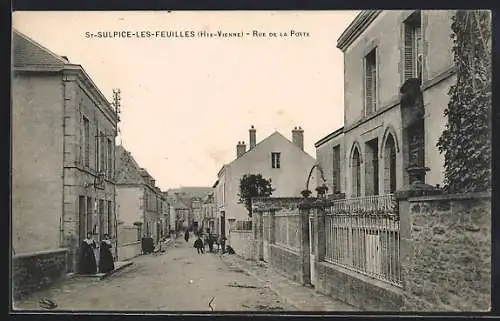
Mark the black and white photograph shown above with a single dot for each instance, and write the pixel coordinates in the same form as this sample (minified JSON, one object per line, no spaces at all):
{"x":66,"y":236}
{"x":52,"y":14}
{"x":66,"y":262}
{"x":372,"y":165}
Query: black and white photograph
{"x":208,"y":162}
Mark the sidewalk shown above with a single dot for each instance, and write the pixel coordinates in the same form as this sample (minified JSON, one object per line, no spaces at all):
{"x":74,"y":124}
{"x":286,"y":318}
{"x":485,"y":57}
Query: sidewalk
{"x":304,"y":298}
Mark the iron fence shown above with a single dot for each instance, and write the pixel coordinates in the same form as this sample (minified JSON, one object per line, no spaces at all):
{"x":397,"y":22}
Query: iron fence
{"x":362,"y":234}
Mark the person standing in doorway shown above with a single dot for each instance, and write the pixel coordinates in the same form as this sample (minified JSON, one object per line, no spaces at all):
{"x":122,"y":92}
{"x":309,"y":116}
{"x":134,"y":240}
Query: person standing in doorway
{"x":106,"y":263}
{"x":87,"y":263}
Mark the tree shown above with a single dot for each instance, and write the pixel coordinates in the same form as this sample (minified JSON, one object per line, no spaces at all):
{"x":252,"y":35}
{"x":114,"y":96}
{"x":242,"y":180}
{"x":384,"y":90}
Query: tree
{"x":466,"y":140}
{"x":252,"y":185}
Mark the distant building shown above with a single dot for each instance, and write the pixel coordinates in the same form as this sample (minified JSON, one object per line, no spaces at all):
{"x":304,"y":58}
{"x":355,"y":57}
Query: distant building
{"x":208,"y":217}
{"x":187,"y":204}
{"x":389,"y":55}
{"x":284,"y":162}
{"x":63,"y":138}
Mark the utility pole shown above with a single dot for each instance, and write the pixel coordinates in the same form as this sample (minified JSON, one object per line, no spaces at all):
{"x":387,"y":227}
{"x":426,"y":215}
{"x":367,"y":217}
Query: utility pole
{"x":117,"y":106}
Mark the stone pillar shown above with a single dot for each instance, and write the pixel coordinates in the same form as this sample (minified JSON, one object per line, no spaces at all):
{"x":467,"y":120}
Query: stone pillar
{"x":304,"y":246}
{"x":406,"y":243}
{"x":258,"y":235}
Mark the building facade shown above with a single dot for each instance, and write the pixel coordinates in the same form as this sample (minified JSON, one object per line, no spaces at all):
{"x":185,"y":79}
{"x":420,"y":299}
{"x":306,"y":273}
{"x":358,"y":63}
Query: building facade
{"x":63,"y":135}
{"x":276,"y":158}
{"x":208,"y":217}
{"x":398,"y":69}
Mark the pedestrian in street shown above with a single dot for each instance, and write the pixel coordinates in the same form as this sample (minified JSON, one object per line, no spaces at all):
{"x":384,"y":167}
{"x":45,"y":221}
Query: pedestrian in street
{"x":106,"y":263}
{"x":87,"y":263}
{"x":186,"y":236}
{"x":210,"y":241}
{"x":198,"y":244}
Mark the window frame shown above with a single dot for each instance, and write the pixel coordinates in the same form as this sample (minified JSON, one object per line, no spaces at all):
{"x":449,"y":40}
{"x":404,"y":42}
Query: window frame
{"x":374,"y":81}
{"x":276,"y":160}
{"x":413,"y":45}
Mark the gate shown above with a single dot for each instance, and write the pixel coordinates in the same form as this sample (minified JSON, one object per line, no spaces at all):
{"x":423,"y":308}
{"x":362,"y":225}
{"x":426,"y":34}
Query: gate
{"x":266,"y":228}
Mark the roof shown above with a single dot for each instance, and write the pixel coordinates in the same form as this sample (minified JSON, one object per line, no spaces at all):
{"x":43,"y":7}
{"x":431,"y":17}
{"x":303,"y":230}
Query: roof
{"x":180,"y":205}
{"x":329,"y":137}
{"x":356,"y":27}
{"x":276,"y":133}
{"x":127,"y":169}
{"x":28,"y":52}
{"x":191,"y":191}
{"x":30,"y":56}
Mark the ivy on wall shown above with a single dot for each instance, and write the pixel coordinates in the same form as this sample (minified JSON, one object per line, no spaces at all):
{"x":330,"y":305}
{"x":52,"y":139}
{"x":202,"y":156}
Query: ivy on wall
{"x":466,"y":140}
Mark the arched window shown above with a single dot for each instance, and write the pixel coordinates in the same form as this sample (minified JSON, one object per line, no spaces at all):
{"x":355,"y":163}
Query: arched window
{"x":356,"y":173}
{"x":390,"y":165}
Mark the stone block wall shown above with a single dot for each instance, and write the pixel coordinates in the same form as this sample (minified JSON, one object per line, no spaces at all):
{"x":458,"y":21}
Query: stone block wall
{"x":287,"y":261}
{"x":34,"y":271}
{"x":356,"y":289}
{"x":242,"y":243}
{"x":448,"y":262}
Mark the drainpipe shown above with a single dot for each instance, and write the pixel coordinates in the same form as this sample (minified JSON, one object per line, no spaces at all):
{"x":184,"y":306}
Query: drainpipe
{"x":114,"y":188}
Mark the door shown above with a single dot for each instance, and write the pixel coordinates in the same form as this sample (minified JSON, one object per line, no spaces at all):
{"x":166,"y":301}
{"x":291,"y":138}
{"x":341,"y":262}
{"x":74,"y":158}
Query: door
{"x":266,"y":236}
{"x":312,"y":252}
{"x":82,"y":215}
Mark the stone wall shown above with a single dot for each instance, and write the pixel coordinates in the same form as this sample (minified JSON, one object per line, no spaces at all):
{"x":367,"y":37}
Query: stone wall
{"x":34,"y":271}
{"x":447,"y":264}
{"x":287,"y":261}
{"x":356,"y":289}
{"x":242,"y":243}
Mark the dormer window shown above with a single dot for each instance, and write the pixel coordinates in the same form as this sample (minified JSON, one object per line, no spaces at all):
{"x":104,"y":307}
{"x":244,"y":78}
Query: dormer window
{"x":275,"y":160}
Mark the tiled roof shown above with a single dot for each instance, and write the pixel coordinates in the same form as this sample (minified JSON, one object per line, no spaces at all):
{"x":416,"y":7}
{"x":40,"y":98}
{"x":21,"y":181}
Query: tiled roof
{"x":127,"y":169}
{"x":27,"y":52}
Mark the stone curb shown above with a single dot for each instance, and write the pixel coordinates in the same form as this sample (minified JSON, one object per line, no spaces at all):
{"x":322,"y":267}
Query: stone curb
{"x":287,"y":299}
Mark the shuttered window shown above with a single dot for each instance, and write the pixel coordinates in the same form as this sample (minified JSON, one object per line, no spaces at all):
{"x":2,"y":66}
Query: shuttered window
{"x":371,"y":82}
{"x":413,"y":57}
{"x":336,"y":169}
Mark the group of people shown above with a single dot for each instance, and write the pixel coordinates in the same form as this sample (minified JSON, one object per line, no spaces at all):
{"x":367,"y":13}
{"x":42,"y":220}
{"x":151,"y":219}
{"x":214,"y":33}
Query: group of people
{"x":87,"y":260}
{"x":200,"y":243}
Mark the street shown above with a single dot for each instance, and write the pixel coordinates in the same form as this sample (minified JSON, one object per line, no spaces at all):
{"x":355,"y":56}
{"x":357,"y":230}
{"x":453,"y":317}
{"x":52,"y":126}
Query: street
{"x":179,"y":280}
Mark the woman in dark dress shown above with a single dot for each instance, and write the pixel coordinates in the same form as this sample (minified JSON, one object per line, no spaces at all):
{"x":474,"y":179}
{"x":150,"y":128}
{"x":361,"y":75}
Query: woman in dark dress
{"x":106,"y":262}
{"x":87,"y":263}
{"x":186,"y":236}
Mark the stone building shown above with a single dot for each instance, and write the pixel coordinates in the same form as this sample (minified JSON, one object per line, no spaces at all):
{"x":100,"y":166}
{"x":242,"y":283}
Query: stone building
{"x":186,"y":203}
{"x":139,"y":201}
{"x":63,"y":135}
{"x":208,"y":217}
{"x":276,"y":158}
{"x":398,"y":68}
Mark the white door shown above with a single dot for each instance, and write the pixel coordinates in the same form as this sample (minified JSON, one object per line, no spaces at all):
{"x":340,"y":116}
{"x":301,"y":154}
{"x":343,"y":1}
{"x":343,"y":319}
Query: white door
{"x":373,"y":259}
{"x":311,"y":250}
{"x":266,"y":234}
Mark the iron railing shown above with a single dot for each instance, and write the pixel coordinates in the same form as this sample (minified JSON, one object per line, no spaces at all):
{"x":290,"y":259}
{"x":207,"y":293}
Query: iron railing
{"x":362,"y":234}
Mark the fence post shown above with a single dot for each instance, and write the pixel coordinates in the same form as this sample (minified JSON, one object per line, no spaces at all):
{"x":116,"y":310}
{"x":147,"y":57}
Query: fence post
{"x":304,"y":246}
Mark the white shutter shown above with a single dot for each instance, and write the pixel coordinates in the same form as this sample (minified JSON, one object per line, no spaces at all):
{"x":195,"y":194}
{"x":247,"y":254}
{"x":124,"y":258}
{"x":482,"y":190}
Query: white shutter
{"x":409,"y":42}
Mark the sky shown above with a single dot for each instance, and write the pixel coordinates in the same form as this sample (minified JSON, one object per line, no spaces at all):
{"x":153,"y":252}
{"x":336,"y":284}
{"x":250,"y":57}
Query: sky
{"x":187,"y":101}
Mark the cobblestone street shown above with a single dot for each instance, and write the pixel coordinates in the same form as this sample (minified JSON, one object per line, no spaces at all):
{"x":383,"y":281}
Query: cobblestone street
{"x":180,"y":280}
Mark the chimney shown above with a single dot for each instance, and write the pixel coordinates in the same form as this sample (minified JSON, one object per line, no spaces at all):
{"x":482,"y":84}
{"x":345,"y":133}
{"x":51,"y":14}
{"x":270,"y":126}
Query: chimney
{"x":298,"y":137}
{"x":253,"y":137}
{"x":241,"y":149}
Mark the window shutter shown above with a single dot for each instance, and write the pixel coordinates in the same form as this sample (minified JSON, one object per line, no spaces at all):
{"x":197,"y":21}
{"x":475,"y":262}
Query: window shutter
{"x":368,"y":88}
{"x":409,"y":52}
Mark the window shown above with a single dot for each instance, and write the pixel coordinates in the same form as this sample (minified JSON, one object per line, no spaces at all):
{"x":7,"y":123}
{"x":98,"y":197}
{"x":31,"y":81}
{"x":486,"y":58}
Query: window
{"x":102,"y":153}
{"x":336,"y":169}
{"x":371,"y":82}
{"x":86,"y":142}
{"x":413,"y":57}
{"x":110,"y":218}
{"x":275,"y":160}
{"x":110,"y":158}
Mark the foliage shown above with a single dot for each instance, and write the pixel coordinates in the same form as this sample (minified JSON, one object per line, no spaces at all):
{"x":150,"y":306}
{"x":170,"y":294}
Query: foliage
{"x":252,"y":185}
{"x":466,"y":140}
